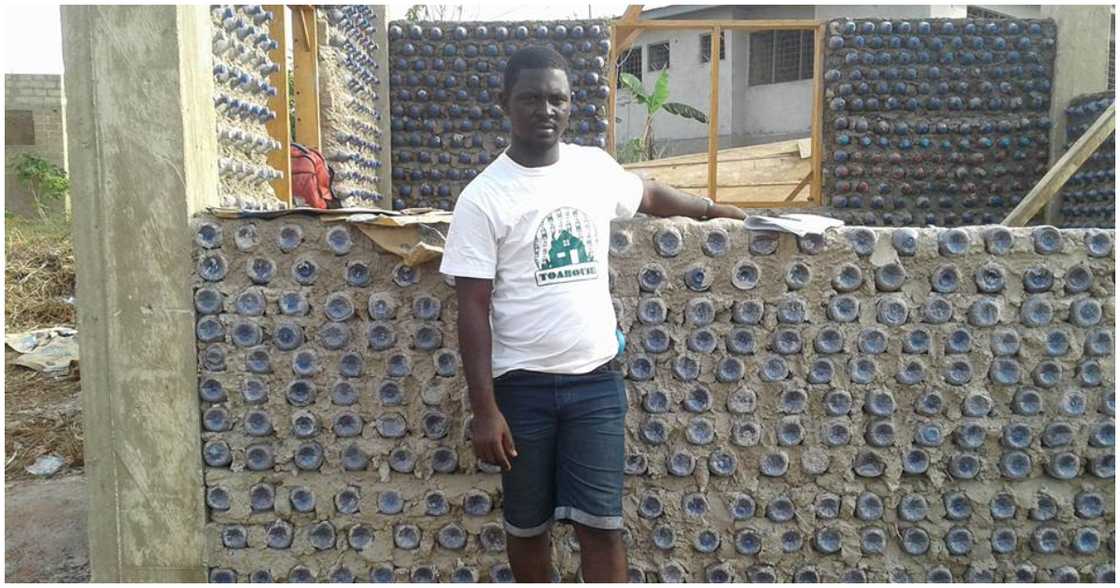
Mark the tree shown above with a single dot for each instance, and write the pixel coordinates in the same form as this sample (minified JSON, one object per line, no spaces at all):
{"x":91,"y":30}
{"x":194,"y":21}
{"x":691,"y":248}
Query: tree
{"x":46,"y":181}
{"x":641,"y":148}
{"x":436,"y":12}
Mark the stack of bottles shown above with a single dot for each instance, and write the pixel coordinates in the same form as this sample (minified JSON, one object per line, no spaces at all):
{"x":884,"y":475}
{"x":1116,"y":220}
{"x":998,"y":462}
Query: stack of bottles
{"x":445,"y":82}
{"x":352,"y":98}
{"x":242,"y":89}
{"x":935,"y":122}
{"x":1089,"y":197}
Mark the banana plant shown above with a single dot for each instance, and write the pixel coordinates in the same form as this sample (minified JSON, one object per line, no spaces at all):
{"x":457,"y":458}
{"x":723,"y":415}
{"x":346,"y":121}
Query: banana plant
{"x":655,"y":101}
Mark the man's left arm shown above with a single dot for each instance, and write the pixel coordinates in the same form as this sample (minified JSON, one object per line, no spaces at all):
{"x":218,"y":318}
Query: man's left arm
{"x":661,"y":200}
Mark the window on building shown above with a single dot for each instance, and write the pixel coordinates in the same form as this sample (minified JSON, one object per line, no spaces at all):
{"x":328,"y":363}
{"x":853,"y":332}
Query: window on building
{"x":780,"y":56}
{"x":631,"y":63}
{"x":977,"y":12}
{"x":658,"y":56}
{"x":706,"y":47}
{"x":19,"y":127}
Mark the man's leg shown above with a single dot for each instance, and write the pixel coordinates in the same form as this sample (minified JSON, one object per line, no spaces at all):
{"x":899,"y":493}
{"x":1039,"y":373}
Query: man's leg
{"x":591,"y":457}
{"x":530,"y":558}
{"x":602,"y":554}
{"x":528,"y":489}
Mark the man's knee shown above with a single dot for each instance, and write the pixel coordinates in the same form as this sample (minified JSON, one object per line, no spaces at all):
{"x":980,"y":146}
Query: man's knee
{"x":599,"y":537}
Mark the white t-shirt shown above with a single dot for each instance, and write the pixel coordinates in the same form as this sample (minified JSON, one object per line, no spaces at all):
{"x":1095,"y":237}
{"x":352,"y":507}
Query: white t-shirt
{"x":542,"y":234}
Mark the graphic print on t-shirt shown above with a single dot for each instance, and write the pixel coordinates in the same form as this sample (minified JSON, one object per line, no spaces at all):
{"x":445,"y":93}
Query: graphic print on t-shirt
{"x":564,"y":247}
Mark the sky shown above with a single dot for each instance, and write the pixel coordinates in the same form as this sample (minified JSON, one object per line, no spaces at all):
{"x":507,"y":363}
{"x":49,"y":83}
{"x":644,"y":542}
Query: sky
{"x":33,"y":35}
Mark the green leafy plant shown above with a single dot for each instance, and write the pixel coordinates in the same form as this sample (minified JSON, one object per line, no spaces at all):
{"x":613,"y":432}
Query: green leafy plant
{"x":641,"y":148}
{"x":46,"y":181}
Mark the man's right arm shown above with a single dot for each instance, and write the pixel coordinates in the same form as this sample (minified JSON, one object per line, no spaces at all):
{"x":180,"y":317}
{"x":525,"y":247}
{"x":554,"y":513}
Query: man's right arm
{"x":490,"y":434}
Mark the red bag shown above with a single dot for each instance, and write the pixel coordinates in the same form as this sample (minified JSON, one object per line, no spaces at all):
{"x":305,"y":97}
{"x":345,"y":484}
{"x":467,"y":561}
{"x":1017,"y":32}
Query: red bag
{"x":311,"y":177}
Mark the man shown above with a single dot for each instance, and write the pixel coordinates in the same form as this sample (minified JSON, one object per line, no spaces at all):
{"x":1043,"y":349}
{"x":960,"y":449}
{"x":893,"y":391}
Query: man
{"x":528,"y":246}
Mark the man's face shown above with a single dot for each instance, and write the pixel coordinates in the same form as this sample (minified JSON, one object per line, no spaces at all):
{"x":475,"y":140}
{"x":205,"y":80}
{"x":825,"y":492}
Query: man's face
{"x":538,"y":107}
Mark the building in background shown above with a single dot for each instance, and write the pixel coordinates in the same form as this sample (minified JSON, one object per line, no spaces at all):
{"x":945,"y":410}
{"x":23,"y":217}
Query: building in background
{"x":765,"y":77}
{"x":33,"y":123}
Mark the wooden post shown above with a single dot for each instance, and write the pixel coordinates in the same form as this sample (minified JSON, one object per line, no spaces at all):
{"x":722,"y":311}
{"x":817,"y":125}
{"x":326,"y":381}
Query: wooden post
{"x":280,"y":128}
{"x":621,"y":29}
{"x":713,"y":119}
{"x":612,"y":95}
{"x":1054,"y":179}
{"x":305,"y":53}
{"x":817,"y":114}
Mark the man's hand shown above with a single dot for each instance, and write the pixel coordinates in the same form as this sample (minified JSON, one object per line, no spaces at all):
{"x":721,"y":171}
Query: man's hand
{"x":493,"y":443}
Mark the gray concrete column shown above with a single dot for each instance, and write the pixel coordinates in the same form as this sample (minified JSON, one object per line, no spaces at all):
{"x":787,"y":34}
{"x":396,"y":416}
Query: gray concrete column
{"x":1080,"y":67}
{"x":143,"y":152}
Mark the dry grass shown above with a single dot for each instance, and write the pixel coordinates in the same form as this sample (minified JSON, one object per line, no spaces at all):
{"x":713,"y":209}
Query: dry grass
{"x":39,"y":274}
{"x":42,"y":414}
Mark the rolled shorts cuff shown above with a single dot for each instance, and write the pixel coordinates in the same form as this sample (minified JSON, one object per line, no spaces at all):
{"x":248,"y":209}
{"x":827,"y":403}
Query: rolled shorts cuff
{"x":530,"y":532}
{"x":610,"y":523}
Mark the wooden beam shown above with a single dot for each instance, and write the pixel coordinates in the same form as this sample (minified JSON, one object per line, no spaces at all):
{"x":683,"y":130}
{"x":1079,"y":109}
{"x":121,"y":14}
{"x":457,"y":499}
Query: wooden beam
{"x":612,"y":97}
{"x":800,"y":186}
{"x":624,"y":25}
{"x":617,"y":29}
{"x":280,"y":128}
{"x":815,"y":192}
{"x":1054,"y":179}
{"x":713,"y":119}
{"x":305,"y":53}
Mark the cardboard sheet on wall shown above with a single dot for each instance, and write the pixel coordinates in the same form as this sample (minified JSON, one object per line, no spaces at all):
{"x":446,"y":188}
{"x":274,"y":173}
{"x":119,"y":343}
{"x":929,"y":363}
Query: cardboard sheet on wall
{"x":417,"y":238}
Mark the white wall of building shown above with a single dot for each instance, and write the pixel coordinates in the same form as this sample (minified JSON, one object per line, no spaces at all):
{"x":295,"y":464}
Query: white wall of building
{"x":747,"y":114}
{"x":689,"y":83}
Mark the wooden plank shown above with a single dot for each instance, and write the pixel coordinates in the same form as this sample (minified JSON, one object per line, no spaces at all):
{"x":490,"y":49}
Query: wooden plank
{"x":805,"y":148}
{"x":713,"y":120}
{"x":305,"y":54}
{"x":624,"y":27}
{"x":737,"y":25}
{"x":280,"y":127}
{"x":815,"y":192}
{"x":800,"y":186}
{"x":782,"y":149}
{"x":612,"y":97}
{"x":1054,"y":179}
{"x":787,"y":173}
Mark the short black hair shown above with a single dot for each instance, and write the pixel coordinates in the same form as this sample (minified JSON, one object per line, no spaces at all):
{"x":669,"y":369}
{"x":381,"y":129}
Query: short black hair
{"x":533,"y":57}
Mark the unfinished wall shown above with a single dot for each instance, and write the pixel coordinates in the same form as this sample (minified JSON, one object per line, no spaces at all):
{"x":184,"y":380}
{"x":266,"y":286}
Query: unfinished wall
{"x":353,"y":103}
{"x":877,"y":405}
{"x":936,"y":121}
{"x":242,"y":67}
{"x":1089,"y":197}
{"x":33,"y":123}
{"x":446,"y":124}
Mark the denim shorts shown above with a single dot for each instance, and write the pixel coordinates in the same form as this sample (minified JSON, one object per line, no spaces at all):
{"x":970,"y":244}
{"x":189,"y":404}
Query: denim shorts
{"x":569,"y":433}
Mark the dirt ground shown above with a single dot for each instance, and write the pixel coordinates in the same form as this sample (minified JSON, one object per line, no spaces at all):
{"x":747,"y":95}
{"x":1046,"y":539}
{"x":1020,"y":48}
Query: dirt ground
{"x":45,"y":518}
{"x":45,"y":536}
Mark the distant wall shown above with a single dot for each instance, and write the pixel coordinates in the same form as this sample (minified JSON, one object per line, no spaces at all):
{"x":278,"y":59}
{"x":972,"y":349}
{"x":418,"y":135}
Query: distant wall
{"x":444,"y":80}
{"x":902,"y":405}
{"x":243,"y":92}
{"x":1089,"y":197}
{"x":936,"y":121}
{"x":33,"y":123}
{"x":354,"y":103}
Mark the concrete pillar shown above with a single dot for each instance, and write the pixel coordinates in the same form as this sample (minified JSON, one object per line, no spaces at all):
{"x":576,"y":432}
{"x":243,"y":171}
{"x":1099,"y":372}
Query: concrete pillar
{"x":1080,"y":67}
{"x":143,"y":152}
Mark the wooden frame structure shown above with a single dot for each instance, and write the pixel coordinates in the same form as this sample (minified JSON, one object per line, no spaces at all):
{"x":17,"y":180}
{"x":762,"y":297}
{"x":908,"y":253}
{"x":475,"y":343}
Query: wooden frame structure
{"x":279,"y":128}
{"x":626,"y":30}
{"x":305,"y":74}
